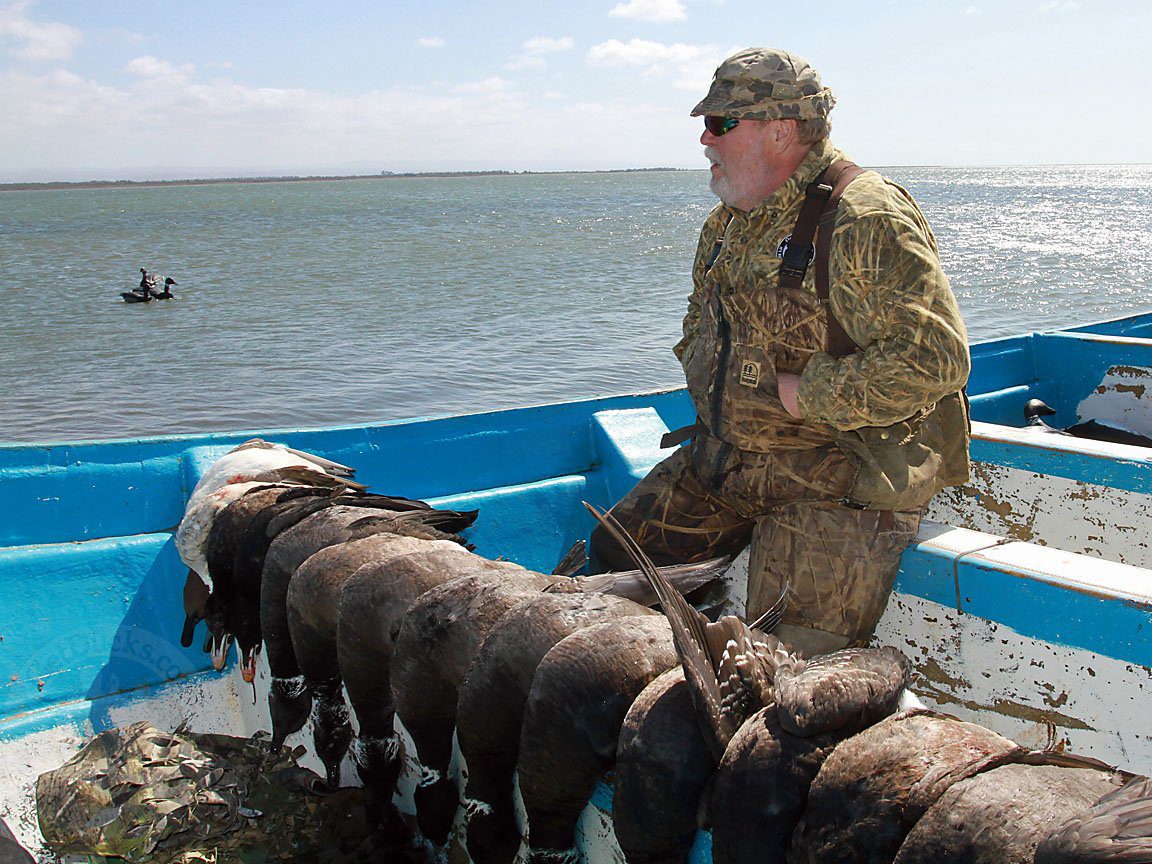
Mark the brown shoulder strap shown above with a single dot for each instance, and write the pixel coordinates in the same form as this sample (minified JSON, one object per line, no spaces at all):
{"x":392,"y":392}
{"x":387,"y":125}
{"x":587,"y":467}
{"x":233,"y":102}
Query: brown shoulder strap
{"x":841,"y":173}
{"x":821,"y":201}
{"x":798,"y":253}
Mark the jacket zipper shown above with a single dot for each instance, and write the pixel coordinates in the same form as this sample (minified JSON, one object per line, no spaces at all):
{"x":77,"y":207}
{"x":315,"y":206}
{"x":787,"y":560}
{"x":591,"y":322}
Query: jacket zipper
{"x":724,"y":330}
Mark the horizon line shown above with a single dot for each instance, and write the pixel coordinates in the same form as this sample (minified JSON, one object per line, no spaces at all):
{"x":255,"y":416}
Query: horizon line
{"x":30,"y":185}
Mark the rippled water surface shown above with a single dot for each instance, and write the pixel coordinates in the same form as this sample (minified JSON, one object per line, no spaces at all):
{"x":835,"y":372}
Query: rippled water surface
{"x":316,"y":303}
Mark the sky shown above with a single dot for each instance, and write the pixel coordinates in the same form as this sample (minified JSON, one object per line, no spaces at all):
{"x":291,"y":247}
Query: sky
{"x":158,"y":89}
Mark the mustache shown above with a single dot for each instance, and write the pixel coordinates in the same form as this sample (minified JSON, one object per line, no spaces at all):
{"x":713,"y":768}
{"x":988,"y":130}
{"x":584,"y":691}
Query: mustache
{"x":711,"y":155}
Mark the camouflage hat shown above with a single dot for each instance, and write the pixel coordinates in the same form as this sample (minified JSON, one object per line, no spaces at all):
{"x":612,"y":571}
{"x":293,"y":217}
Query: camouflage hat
{"x":766,"y":84}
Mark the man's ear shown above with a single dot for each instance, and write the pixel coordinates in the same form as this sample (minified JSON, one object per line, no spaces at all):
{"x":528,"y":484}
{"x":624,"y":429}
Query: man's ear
{"x":783,"y":133}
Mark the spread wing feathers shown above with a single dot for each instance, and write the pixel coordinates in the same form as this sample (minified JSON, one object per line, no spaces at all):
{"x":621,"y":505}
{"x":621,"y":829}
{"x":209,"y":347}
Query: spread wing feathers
{"x":436,"y":524}
{"x":327,"y":465}
{"x":573,"y":561}
{"x":773,"y":617}
{"x":634,"y":585}
{"x":846,"y":690}
{"x":309,"y":476}
{"x":726,"y":665}
{"x":1117,"y":828}
{"x":746,"y":671}
{"x":382,"y":502}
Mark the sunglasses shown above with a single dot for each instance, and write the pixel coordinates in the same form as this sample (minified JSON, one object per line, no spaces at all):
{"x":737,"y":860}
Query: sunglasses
{"x":718,"y":126}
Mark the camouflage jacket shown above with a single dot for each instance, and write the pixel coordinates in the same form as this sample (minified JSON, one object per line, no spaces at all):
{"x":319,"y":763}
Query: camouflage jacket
{"x":887,"y":290}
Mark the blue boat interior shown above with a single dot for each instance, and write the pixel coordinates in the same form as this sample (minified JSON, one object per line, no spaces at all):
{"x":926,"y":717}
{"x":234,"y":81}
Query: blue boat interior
{"x":86,"y":528}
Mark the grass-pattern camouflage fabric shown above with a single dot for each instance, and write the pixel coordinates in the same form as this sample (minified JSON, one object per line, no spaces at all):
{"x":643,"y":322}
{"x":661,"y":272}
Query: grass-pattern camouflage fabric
{"x":887,"y":290}
{"x":141,"y":794}
{"x":708,"y":499}
{"x":766,"y":84}
{"x":839,"y":564}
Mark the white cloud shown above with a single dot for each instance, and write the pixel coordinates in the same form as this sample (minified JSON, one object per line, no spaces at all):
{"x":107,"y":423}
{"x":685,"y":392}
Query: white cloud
{"x":689,"y":67}
{"x":639,"y":52}
{"x":547,"y":45}
{"x":522,"y":62}
{"x":488,"y":85}
{"x":1059,"y":6}
{"x":650,"y":10}
{"x":178,"y":119}
{"x":152,"y":67}
{"x":431,"y":42}
{"x":35,"y":40}
{"x":533,"y":49}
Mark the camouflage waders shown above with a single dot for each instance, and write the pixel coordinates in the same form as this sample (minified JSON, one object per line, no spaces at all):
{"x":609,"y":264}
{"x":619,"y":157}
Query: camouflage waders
{"x":708,"y":499}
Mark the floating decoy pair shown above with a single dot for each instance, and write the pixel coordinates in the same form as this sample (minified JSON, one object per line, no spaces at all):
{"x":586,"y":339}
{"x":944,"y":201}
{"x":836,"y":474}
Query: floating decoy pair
{"x":149,"y":289}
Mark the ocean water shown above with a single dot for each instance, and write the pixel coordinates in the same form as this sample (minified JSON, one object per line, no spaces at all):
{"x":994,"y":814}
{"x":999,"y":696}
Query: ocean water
{"x":349,"y":301}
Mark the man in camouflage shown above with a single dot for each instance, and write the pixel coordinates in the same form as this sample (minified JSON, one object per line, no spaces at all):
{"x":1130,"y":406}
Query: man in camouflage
{"x":823,"y":463}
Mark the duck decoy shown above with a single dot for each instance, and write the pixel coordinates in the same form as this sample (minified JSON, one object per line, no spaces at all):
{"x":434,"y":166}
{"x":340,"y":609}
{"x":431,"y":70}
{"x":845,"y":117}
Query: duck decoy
{"x":1109,"y":430}
{"x":1093,"y":429}
{"x":1035,"y":410}
{"x":165,"y":293}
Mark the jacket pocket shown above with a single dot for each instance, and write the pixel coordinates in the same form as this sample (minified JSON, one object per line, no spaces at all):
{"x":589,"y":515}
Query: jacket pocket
{"x":900,"y":467}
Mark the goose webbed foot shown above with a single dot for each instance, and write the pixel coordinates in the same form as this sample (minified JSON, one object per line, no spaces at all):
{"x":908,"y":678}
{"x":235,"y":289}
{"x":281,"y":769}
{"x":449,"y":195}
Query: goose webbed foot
{"x":437,"y":800}
{"x":493,"y":836}
{"x":289,"y":703}
{"x":378,"y":763}
{"x":331,"y":727}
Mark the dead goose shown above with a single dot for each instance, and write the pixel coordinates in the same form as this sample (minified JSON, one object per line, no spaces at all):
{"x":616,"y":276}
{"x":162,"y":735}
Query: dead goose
{"x":760,"y":789}
{"x":438,"y":640}
{"x":761,"y":786}
{"x":225,"y":481}
{"x":288,"y":699}
{"x":241,"y":614}
{"x":370,"y":610}
{"x":662,"y":768}
{"x":1002,"y":815}
{"x":1117,"y":828}
{"x":490,"y":710}
{"x":11,"y":852}
{"x":257,"y":459}
{"x":874,"y":787}
{"x":734,"y":671}
{"x":580,"y":694}
{"x":729,"y":665}
{"x":224,"y":537}
{"x":312,"y":607}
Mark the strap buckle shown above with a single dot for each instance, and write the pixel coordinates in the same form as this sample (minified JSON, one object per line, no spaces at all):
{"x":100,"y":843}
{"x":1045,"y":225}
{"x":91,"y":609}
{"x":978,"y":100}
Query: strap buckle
{"x":818,"y":190}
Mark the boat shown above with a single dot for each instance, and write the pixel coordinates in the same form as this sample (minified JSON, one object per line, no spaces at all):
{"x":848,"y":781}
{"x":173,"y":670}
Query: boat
{"x":1025,"y":604}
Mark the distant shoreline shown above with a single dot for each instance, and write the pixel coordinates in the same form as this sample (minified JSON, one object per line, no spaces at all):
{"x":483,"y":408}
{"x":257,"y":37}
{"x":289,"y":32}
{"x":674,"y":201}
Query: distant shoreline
{"x":384,"y":175}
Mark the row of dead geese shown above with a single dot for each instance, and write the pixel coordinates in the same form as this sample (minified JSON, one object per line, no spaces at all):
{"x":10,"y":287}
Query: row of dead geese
{"x":555,"y":680}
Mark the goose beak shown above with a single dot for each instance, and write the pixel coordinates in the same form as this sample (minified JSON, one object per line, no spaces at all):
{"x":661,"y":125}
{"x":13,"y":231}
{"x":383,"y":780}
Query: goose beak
{"x":248,"y":666}
{"x":220,"y":647}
